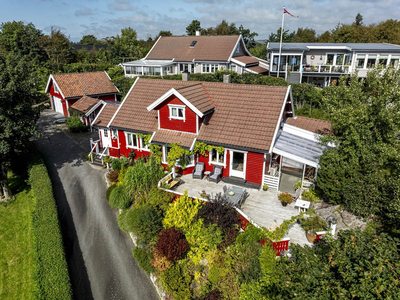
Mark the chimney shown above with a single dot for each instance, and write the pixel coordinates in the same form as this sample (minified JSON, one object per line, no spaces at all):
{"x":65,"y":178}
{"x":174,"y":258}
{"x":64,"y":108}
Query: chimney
{"x":185,"y":76}
{"x":227,"y":78}
{"x":197,"y":32}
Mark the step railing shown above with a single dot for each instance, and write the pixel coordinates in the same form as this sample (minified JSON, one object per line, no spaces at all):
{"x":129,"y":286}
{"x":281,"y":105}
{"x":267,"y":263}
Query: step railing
{"x":93,"y":145}
{"x":272,"y":181}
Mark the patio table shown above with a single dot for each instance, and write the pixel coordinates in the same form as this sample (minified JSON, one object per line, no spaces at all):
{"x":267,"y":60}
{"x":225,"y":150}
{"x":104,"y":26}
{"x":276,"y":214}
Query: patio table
{"x":301,"y":204}
{"x":236,"y":197}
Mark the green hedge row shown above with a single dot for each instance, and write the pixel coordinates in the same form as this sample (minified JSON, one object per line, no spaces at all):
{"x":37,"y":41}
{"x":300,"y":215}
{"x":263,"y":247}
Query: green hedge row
{"x":51,"y":270}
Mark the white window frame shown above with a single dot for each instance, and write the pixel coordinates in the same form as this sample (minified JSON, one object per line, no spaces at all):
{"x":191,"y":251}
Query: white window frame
{"x":137,"y":140}
{"x":143,"y":146}
{"x":209,"y":68}
{"x":55,"y":87}
{"x":191,"y":164}
{"x":233,"y":68}
{"x":365,"y":61}
{"x":105,"y":133}
{"x":177,"y":107}
{"x":211,"y":162}
{"x":164,"y":150}
{"x":114,"y":133}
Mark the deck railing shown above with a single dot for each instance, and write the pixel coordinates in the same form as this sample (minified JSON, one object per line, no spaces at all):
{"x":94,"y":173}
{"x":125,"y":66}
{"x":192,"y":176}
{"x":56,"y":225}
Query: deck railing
{"x":326,"y":69}
{"x":272,"y":181}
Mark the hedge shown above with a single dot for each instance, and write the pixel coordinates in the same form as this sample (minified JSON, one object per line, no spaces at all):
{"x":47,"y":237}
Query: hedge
{"x":51,"y":271}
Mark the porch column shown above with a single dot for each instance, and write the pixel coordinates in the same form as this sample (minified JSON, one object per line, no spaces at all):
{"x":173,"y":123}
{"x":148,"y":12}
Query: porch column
{"x":302,"y":178}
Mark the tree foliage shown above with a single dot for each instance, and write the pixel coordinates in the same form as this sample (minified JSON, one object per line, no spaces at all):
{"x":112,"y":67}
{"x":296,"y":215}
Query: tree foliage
{"x":126,"y":46}
{"x":193,"y":27}
{"x":172,"y":244}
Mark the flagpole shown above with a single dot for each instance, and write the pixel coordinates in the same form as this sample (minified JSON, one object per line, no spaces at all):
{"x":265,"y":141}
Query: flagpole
{"x":280,"y":44}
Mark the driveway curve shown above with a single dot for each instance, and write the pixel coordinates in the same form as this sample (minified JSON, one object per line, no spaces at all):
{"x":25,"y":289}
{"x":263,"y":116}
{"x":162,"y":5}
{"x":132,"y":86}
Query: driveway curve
{"x":99,"y":254}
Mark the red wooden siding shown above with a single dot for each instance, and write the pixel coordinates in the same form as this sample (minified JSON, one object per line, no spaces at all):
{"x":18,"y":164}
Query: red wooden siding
{"x":109,"y":97}
{"x":113,"y":152}
{"x":124,"y":150}
{"x":189,"y":125}
{"x":254,"y":167}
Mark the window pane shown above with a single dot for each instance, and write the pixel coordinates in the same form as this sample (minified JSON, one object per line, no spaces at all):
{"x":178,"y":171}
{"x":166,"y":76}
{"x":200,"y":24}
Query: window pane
{"x":394,"y":61}
{"x":347,"y":59}
{"x":157,"y":71}
{"x":360,"y":61}
{"x":383,"y":60}
{"x":221,"y":158}
{"x":128,"y":70}
{"x":371,"y":61}
{"x":174,"y":113}
{"x":105,"y":133}
{"x":339,"y":59}
{"x":129,"y":139}
{"x":329,"y":60}
{"x":213,"y":154}
{"x":134,"y":140}
{"x":180,"y":112}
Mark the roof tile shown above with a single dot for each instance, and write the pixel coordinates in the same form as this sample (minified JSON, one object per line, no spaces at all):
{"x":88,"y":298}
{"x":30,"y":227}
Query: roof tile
{"x":313,"y":125}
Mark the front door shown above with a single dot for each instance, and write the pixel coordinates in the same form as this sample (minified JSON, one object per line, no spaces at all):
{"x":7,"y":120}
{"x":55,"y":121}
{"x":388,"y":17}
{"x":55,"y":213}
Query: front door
{"x":238,"y":164}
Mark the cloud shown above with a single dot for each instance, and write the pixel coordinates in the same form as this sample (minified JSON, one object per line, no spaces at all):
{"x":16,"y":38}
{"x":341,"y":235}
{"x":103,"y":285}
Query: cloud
{"x":85,"y":11}
{"x":122,"y":5}
{"x":127,"y":21}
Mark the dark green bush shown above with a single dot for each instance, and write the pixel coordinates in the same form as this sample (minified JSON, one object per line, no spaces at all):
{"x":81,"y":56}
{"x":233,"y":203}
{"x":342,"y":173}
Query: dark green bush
{"x":75,"y":124}
{"x":159,"y":198}
{"x":119,"y":199}
{"x":143,"y":220}
{"x":143,"y":258}
{"x":116,"y":164}
{"x":109,"y":190}
{"x":52,"y":278}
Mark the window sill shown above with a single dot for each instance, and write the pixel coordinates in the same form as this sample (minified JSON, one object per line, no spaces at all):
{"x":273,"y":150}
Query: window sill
{"x":217,"y":164}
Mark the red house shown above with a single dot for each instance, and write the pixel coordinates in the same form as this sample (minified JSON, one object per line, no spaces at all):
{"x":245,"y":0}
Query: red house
{"x":66,"y":89}
{"x":243,"y":119}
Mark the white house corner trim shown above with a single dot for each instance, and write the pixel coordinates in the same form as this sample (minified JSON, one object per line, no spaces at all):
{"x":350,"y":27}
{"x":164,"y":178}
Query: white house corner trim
{"x":127,"y":95}
{"x":291,"y":100}
{"x":192,"y":146}
{"x":152,"y":136}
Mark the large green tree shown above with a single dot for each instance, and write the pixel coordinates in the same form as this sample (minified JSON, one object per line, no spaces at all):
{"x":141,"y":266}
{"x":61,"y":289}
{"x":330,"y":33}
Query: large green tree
{"x":276,"y":37}
{"x":305,"y":35}
{"x":362,"y":172}
{"x":89,"y":39}
{"x":17,"y":117}
{"x":126,"y":46}
{"x":193,"y":27}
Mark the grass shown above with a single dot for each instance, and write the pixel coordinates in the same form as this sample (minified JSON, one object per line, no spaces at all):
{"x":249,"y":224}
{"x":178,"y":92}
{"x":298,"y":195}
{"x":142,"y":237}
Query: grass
{"x":16,"y":248}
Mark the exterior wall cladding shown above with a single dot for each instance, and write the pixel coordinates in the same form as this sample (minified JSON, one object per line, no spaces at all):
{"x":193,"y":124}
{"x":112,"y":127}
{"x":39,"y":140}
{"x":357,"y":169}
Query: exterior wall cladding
{"x":189,"y":125}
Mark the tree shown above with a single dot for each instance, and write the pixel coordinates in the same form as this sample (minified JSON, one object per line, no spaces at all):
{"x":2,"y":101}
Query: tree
{"x":248,"y":37}
{"x":359,"y":20}
{"x":362,"y":170}
{"x":276,"y":37}
{"x":164,"y":33}
{"x":17,"y":117}
{"x":260,"y":51}
{"x":57,"y":47}
{"x":126,"y":45}
{"x":89,"y":39}
{"x":193,"y":27}
{"x":305,"y":35}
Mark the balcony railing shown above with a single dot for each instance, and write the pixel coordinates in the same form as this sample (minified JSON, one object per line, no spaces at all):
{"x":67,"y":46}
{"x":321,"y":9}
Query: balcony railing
{"x":326,"y":69}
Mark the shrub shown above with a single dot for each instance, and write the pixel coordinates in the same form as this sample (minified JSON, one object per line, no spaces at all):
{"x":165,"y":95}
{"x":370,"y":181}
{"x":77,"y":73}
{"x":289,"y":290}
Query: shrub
{"x":113,"y":175}
{"x":116,"y":164}
{"x":75,"y":124}
{"x":219,"y":212}
{"x":285,"y":197}
{"x":230,"y":237}
{"x":181,"y":213}
{"x":310,"y":195}
{"x":160,"y":262}
{"x":144,"y":221}
{"x":172,"y":244}
{"x":52,"y":278}
{"x":213,"y":295}
{"x":119,"y":199}
{"x":159,"y":198}
{"x":313,"y":225}
{"x":251,"y":235}
{"x":143,"y":258}
{"x":109,"y":190}
{"x":176,"y":281}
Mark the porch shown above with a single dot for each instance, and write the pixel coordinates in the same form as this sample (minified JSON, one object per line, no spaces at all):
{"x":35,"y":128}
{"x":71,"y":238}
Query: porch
{"x":263,"y":208}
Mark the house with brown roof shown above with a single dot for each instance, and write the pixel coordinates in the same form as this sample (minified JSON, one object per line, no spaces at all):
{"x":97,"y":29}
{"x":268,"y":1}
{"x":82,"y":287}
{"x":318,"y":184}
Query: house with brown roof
{"x":172,"y":55}
{"x":81,"y":92}
{"x":252,"y":124}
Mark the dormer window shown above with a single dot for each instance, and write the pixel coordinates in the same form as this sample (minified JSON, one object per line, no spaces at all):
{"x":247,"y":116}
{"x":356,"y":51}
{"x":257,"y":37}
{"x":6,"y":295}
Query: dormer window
{"x":176,"y":112}
{"x":193,"y":43}
{"x":55,"y":88}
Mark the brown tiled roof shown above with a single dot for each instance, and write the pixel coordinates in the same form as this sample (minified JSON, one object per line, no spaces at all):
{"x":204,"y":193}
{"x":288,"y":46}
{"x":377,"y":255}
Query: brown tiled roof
{"x":313,"y":125}
{"x":197,"y":95}
{"x":106,"y":114}
{"x":247,"y":59}
{"x":217,"y":47}
{"x":85,"y":104}
{"x":171,"y":137}
{"x":245,"y":116}
{"x":79,"y":84}
{"x":258,"y":69}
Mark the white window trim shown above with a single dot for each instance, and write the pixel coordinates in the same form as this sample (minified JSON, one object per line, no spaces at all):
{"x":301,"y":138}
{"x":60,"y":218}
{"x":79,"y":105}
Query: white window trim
{"x":209,"y":64}
{"x":143,"y":147}
{"x":210,"y":162}
{"x":164,"y":154}
{"x":105,"y":133}
{"x":189,"y":165}
{"x":171,"y":106}
{"x":126,"y":139}
{"x":114,"y":133}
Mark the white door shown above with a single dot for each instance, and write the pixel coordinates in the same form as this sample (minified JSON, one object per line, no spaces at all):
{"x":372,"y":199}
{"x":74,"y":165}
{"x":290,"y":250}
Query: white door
{"x":106,"y":137}
{"x":238,"y":164}
{"x":58,"y":105}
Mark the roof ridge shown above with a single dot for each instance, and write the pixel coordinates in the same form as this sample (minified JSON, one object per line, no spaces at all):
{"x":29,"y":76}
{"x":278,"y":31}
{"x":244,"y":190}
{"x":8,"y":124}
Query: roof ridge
{"x":208,"y":95}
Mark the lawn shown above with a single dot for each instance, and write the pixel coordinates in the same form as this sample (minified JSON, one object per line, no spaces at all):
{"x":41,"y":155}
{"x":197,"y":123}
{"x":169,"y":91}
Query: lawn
{"x":16,"y":253}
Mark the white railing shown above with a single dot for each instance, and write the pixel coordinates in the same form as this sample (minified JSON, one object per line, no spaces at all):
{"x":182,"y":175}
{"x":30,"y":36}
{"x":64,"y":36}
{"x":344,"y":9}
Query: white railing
{"x":93,"y":145}
{"x":272,"y":181}
{"x":103,"y":154}
{"x":326,"y":69}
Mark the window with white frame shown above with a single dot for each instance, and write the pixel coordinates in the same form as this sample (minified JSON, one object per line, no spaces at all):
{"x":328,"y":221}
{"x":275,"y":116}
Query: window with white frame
{"x":371,"y":61}
{"x":383,"y":60}
{"x":105,"y":133}
{"x":360,"y":61}
{"x":114,"y":133}
{"x":131,"y":140}
{"x":233,"y":68}
{"x":176,"y":112}
{"x":237,"y":50}
{"x":189,"y":163}
{"x":165,"y":153}
{"x":55,"y":88}
{"x":143,"y":145}
{"x":128,"y":70}
{"x":152,"y":71}
{"x":210,"y":68}
{"x":192,"y":68}
{"x":394,"y":61}
{"x":216,"y":158}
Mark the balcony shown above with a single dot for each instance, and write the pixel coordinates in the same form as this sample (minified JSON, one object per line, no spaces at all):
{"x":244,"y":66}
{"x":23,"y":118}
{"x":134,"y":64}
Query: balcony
{"x":326,"y":69}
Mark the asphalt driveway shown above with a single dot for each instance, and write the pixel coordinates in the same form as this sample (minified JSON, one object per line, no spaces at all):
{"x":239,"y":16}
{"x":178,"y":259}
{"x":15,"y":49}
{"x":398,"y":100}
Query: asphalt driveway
{"x":99,"y":254}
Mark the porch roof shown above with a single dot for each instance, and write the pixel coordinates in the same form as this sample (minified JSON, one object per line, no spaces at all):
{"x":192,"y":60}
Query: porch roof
{"x":299,"y":148}
{"x":164,"y":136}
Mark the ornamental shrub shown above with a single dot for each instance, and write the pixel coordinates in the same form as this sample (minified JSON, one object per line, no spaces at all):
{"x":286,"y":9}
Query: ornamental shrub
{"x":116,"y":164}
{"x":181,"y":213}
{"x":160,"y":262}
{"x":177,"y":282}
{"x":172,"y":244}
{"x":159,"y":198}
{"x":119,"y":199}
{"x":285,"y":197}
{"x":213,"y":295}
{"x":144,"y":221}
{"x":143,"y":257}
{"x":109,"y":190}
{"x":230,"y":237}
{"x":113,"y":175}
{"x":75,"y":124}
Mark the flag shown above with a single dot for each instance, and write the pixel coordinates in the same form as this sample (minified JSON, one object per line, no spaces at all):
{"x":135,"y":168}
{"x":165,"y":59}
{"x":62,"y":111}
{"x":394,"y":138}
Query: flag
{"x":286,"y":12}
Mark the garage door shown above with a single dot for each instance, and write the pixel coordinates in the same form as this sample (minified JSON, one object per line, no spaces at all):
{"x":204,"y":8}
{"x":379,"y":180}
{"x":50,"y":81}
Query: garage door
{"x":58,"y":105}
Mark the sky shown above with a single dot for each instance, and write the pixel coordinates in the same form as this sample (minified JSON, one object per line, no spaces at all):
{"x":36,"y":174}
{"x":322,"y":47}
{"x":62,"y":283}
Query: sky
{"x":103,"y":18}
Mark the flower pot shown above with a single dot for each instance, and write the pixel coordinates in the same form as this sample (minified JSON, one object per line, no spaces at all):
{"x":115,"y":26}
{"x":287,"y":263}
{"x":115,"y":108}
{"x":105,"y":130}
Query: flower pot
{"x":311,"y":238}
{"x":265,"y":189}
{"x":284,"y":203}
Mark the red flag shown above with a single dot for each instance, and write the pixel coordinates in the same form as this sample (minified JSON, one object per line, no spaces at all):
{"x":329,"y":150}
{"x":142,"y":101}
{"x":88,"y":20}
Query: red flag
{"x":286,"y":12}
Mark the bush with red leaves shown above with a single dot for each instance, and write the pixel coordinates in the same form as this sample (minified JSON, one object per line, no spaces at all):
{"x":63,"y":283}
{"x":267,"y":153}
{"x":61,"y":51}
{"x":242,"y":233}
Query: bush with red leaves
{"x":113,"y":175}
{"x":220,"y":212}
{"x":213,"y":295}
{"x":172,"y":244}
{"x":230,"y":237}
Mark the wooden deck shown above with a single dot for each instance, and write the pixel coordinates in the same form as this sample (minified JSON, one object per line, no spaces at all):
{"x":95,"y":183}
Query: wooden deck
{"x":263,"y":208}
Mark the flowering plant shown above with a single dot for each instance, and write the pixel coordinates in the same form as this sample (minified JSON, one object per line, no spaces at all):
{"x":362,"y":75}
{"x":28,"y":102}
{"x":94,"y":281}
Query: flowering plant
{"x":285,"y":197}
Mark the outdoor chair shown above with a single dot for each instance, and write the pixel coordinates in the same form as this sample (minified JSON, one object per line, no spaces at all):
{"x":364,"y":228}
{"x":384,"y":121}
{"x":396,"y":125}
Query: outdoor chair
{"x":216,"y":174}
{"x":198,"y":171}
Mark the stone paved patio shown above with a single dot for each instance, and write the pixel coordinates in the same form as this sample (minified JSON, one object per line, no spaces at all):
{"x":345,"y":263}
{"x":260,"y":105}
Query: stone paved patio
{"x":261,"y":207}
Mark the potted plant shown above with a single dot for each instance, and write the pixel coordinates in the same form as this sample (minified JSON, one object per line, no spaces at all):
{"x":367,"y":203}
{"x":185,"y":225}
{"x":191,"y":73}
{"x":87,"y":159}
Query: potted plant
{"x":285,"y":198}
{"x":312,"y":225}
{"x":265,"y":187}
